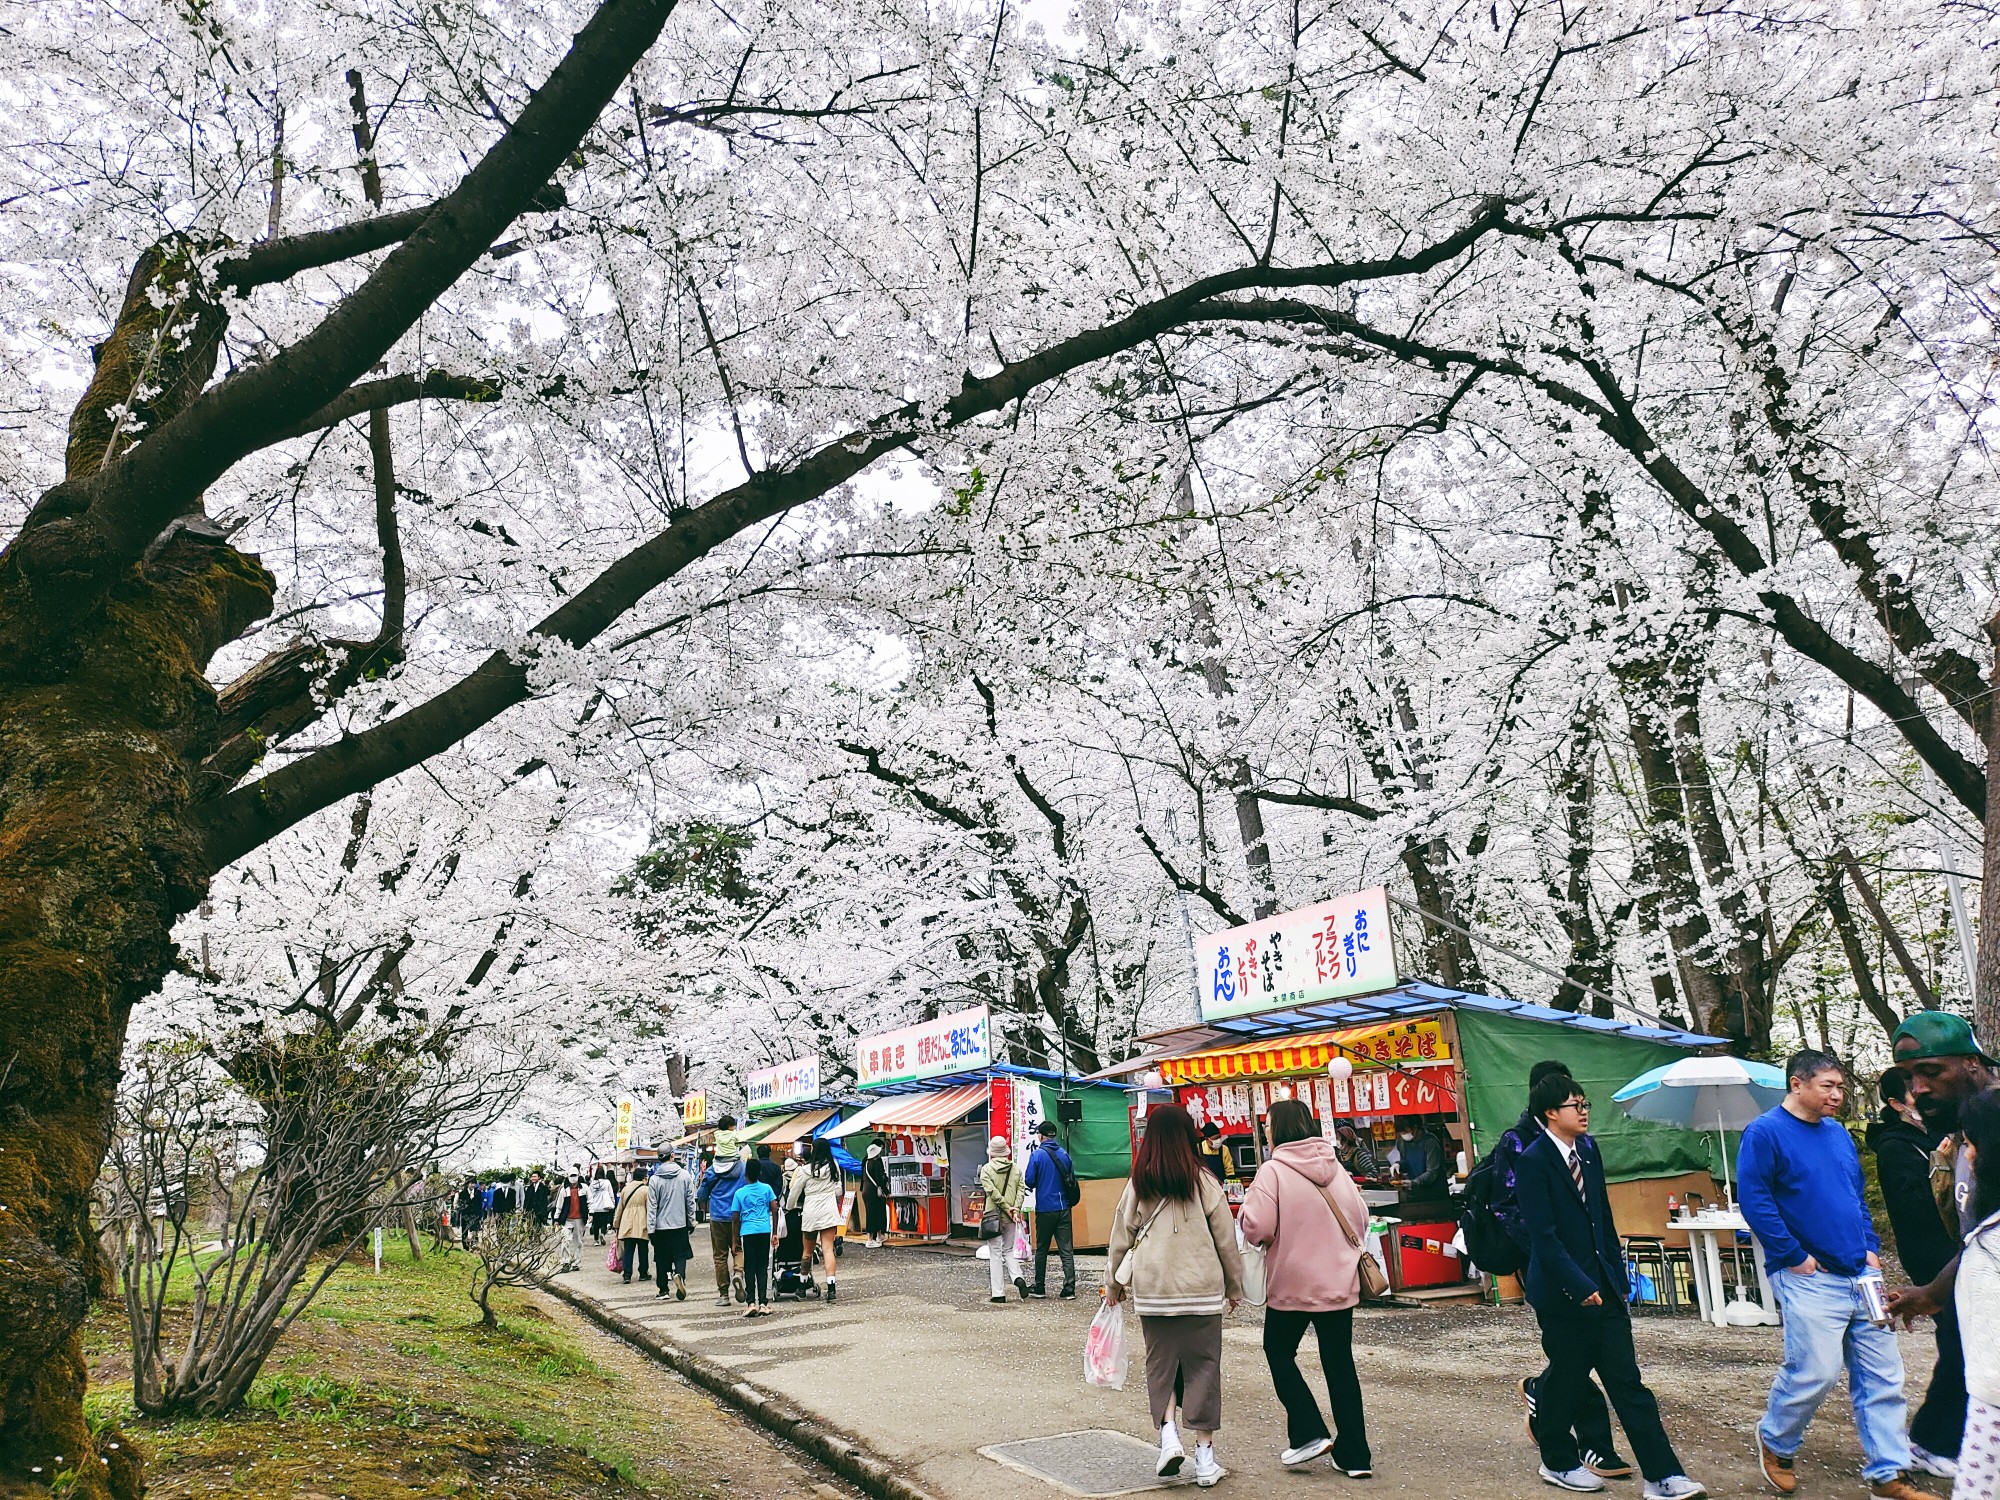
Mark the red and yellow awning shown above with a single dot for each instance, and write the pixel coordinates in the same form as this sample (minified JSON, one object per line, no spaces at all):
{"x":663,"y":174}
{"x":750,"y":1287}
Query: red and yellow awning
{"x":1389,"y":1042}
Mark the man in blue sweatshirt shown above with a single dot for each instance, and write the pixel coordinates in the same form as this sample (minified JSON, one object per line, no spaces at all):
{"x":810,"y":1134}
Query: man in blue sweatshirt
{"x":1799,"y":1184}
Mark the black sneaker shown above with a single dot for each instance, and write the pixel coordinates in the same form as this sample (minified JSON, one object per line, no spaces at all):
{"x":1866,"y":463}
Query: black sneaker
{"x":1035,"y":1291}
{"x":1529,"y":1387}
{"x":1021,"y":1286}
{"x":1606,"y":1465}
{"x":832,"y":1292}
{"x":1067,"y":1294}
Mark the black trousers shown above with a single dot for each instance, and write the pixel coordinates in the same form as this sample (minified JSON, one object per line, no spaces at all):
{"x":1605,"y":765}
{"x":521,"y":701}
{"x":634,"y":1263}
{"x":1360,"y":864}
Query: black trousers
{"x":1592,"y":1418}
{"x":1054,"y":1229}
{"x":1335,"y":1331}
{"x":876,"y":1215}
{"x":1939,"y":1424}
{"x":671,"y":1249}
{"x":1598,"y":1340}
{"x":632,"y":1255}
{"x":757,"y":1269}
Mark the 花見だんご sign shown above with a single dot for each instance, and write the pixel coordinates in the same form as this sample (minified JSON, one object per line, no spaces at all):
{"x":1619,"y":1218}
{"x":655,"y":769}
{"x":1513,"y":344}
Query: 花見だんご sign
{"x":958,"y":1043}
{"x":795,"y":1082}
{"x":1322,"y":952}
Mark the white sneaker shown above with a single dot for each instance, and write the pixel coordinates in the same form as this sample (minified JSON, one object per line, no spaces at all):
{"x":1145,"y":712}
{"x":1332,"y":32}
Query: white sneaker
{"x":1172,"y":1454}
{"x":1579,"y":1479}
{"x":1674,"y":1487}
{"x":1926,"y":1462}
{"x":1206,"y":1470}
{"x":1305,"y":1453}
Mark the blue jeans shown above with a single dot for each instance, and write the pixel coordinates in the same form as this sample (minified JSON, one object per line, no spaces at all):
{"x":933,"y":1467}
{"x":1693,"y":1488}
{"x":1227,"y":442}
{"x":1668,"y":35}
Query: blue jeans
{"x":1827,"y":1327}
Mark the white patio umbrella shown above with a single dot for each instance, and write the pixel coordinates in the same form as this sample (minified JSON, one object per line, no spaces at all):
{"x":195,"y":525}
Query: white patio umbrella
{"x":1705,"y":1093}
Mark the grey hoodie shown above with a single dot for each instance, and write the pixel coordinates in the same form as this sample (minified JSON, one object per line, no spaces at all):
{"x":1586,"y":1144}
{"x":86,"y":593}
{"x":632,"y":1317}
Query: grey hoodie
{"x":670,"y":1203}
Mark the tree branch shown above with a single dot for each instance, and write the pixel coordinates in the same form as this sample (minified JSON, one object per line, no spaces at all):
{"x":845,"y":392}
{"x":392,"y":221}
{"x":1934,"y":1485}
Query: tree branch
{"x":122,"y":507}
{"x":246,"y":818}
{"x":392,"y":390}
{"x":1217,"y":903}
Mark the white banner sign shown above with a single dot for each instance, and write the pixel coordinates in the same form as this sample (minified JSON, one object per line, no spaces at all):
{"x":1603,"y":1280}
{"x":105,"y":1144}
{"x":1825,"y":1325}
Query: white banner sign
{"x":792,"y":1083}
{"x":1339,"y":947}
{"x":958,"y":1043}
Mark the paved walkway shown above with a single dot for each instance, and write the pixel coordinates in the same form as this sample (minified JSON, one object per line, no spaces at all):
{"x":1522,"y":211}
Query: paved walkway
{"x":914,"y":1362}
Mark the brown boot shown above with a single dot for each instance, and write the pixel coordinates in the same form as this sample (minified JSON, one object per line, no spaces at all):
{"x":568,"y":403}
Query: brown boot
{"x":1778,"y":1472}
{"x":1898,"y":1487}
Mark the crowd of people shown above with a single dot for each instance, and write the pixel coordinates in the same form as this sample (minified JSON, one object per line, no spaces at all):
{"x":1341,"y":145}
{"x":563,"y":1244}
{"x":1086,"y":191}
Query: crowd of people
{"x":1176,"y":1257}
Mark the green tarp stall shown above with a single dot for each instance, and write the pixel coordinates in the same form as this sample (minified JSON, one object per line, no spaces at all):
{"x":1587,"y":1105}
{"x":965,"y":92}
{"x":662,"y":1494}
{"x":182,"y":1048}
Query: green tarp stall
{"x":1100,"y":1144}
{"x":1499,"y":1049}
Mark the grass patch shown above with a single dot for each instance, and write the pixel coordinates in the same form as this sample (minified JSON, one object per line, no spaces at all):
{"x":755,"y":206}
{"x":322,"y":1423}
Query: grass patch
{"x":388,"y":1387}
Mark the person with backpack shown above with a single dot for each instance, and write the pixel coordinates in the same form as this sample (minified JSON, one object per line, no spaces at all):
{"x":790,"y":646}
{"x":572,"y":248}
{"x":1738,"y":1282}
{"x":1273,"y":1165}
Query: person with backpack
{"x":1306,"y":1212}
{"x":1052,"y":1179}
{"x":1497,"y":1236}
{"x":1578,"y":1285}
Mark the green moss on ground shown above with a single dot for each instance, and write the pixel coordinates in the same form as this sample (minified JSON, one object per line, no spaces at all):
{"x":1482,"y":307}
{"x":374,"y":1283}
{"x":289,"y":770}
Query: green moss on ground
{"x":388,"y":1388}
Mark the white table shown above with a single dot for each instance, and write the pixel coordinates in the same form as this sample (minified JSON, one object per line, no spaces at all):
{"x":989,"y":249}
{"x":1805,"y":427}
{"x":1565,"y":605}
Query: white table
{"x":1705,"y":1232}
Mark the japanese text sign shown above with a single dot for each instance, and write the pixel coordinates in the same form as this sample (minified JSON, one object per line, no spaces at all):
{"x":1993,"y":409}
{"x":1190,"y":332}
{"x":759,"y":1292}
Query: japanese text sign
{"x":694,"y":1108}
{"x":1338,"y":947}
{"x":958,"y":1043}
{"x":627,"y":1114}
{"x":792,"y":1083}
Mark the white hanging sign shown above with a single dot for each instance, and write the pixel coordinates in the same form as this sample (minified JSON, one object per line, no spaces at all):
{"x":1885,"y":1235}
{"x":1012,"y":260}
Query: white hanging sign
{"x":1323,"y":952}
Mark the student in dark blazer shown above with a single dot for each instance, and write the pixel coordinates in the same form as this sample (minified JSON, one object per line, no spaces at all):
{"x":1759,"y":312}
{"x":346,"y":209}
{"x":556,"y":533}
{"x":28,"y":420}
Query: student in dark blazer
{"x":1577,"y":1285}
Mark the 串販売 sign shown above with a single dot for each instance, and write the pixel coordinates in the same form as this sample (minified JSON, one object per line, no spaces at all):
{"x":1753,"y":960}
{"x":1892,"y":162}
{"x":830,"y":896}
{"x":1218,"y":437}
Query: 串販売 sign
{"x":1322,"y":952}
{"x":794,"y":1082}
{"x":958,"y":1043}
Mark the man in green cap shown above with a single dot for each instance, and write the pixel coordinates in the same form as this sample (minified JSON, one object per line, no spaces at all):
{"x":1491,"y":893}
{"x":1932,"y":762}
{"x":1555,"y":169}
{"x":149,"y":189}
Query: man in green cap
{"x":1945,"y":1067}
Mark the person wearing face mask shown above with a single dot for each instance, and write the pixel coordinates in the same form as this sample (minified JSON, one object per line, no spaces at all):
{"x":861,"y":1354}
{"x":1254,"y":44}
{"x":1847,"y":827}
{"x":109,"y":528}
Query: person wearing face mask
{"x":1903,"y":1144}
{"x":1421,"y":1157}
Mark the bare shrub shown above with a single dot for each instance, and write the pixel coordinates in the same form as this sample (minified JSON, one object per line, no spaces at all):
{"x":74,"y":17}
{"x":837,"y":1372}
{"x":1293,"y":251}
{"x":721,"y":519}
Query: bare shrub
{"x":513,"y":1249}
{"x":328,"y":1124}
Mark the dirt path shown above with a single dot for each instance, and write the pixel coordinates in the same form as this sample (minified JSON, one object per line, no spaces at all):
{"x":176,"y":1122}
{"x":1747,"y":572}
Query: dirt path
{"x":915,"y":1363}
{"x":699,"y":1447}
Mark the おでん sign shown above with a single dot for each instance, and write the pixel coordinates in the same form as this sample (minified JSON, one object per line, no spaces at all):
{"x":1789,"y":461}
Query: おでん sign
{"x":961,"y":1042}
{"x":795,"y":1082}
{"x":1322,"y":952}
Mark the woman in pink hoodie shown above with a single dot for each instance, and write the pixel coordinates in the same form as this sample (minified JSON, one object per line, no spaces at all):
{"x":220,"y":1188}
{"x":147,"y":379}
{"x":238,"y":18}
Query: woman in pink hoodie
{"x":1312,"y":1278}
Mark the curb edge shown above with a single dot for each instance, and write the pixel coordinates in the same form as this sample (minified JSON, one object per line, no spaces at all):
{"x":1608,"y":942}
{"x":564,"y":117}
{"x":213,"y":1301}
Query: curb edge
{"x":839,"y":1451}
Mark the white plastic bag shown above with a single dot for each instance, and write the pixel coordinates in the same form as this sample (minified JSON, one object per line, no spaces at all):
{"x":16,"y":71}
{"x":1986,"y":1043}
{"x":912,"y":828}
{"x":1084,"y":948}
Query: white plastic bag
{"x":1022,"y":1249}
{"x":1104,"y":1353}
{"x":1254,"y":1280}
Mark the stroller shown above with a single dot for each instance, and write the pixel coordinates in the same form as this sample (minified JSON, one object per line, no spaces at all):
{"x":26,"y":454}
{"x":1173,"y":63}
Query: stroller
{"x":791,"y":1267}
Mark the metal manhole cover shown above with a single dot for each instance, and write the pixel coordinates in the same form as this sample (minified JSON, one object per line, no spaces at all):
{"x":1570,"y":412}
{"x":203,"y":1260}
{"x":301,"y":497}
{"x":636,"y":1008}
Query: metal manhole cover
{"x":1093,"y":1463}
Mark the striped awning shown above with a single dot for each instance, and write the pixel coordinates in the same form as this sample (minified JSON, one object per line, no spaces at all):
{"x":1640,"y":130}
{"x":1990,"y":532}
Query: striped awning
{"x":1392,"y":1043}
{"x":796,"y":1127}
{"x":931,"y":1110}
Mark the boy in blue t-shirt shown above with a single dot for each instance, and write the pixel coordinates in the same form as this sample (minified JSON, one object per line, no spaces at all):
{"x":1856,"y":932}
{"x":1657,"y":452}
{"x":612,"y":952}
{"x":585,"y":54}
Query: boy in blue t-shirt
{"x":753,"y":1224}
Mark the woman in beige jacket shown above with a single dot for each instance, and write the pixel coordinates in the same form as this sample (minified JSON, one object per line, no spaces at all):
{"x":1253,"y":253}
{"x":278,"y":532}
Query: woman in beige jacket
{"x":1173,"y":1252}
{"x":631,"y":1226}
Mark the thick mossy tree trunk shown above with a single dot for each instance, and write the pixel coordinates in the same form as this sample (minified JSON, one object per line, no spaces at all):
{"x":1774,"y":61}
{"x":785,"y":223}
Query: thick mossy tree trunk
{"x":105,"y":716}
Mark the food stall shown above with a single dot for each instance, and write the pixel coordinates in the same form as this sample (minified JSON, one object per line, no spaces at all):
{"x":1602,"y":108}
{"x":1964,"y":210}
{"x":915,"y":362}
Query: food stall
{"x":938,"y":1096}
{"x":1309,"y":1005}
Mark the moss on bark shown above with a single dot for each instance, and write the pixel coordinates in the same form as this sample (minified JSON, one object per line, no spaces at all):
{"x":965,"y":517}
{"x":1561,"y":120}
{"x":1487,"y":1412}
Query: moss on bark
{"x":105,"y":714}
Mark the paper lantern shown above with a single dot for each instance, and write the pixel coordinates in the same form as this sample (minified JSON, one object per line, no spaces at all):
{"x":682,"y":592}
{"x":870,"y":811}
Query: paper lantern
{"x":1339,"y":1068}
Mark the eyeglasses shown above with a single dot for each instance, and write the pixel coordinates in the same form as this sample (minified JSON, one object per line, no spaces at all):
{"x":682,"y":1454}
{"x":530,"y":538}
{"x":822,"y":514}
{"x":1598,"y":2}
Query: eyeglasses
{"x":1581,"y":1106}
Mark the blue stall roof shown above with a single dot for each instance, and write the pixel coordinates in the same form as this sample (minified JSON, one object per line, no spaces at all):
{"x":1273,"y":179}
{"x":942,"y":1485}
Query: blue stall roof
{"x":1411,"y":999}
{"x":997,"y":1070}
